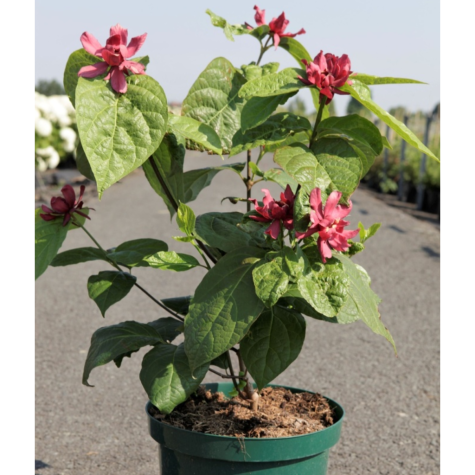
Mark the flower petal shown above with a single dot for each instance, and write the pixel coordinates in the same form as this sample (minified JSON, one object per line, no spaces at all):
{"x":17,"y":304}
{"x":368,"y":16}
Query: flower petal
{"x":59,"y":205}
{"x":69,"y":195}
{"x":135,"y":44}
{"x":274,"y":229}
{"x":260,"y":16}
{"x":330,"y":212}
{"x":267,"y":200}
{"x":133,"y":67}
{"x":93,"y":70}
{"x":276,"y":40}
{"x":119,"y":30}
{"x":325,"y":250}
{"x":90,"y":44}
{"x":279,"y":24}
{"x":316,"y":203}
{"x":113,"y":59}
{"x":117,"y":81}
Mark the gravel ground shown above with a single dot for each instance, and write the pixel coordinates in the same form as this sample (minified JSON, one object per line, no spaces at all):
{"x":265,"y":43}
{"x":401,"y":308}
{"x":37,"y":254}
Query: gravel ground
{"x":392,"y":404}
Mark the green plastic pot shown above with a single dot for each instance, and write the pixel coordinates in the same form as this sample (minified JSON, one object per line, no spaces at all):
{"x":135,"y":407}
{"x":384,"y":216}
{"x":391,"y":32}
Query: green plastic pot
{"x":183,"y":452}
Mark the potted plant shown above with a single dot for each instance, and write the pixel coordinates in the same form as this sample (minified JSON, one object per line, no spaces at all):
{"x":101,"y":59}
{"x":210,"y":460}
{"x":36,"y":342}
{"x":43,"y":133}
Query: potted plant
{"x":286,"y":258}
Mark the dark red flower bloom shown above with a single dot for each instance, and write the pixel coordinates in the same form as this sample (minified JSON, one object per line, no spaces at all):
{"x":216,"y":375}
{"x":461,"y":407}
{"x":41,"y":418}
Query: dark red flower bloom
{"x":276,"y":211}
{"x":65,"y":207}
{"x":328,"y":72}
{"x":277,"y":25}
{"x":328,"y":223}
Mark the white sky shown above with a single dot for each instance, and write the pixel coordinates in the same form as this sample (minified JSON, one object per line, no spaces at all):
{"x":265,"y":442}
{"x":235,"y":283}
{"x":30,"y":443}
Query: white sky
{"x":381,"y":38}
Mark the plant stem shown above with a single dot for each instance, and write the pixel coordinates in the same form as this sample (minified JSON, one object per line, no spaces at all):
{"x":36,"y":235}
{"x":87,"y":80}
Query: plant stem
{"x":318,"y":119}
{"x":225,"y":376}
{"x":112,"y":263}
{"x":248,"y":182}
{"x":231,"y":370}
{"x":251,"y":394}
{"x":174,"y":203}
{"x":263,"y":50}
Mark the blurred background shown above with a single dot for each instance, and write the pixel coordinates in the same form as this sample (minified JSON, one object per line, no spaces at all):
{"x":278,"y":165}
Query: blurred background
{"x":181,"y":41}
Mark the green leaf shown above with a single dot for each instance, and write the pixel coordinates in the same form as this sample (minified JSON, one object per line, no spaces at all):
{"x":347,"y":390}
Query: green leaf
{"x":365,"y":234}
{"x":341,"y":162}
{"x":294,"y":262}
{"x":229,"y":30}
{"x":167,"y":327}
{"x":115,"y":341}
{"x":323,"y":286}
{"x":213,"y":100}
{"x":172,"y":261}
{"x":49,"y":236}
{"x":221,"y":362}
{"x":258,"y":109}
{"x":133,"y":253}
{"x":109,"y":287}
{"x":167,"y":378}
{"x":168,"y":159}
{"x":77,"y":256}
{"x":300,"y":163}
{"x":362,"y":94}
{"x":76,"y":61}
{"x":200,"y":133}
{"x":259,"y":32}
{"x":273,"y":342}
{"x":270,"y":278}
{"x":302,"y":211}
{"x":179,"y":304}
{"x":186,"y":219}
{"x":361,"y":132}
{"x":82,"y":163}
{"x":273,"y":132}
{"x":221,"y":230}
{"x":223,"y":308}
{"x":281,"y":178}
{"x":194,"y":181}
{"x":145,"y":60}
{"x":362,"y":301}
{"x":276,"y":84}
{"x":255,"y":169}
{"x":375,"y":80}
{"x":119,"y":131}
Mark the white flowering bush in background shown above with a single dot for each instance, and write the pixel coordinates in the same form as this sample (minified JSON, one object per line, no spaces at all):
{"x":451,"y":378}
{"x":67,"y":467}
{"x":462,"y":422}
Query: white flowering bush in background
{"x":55,"y":130}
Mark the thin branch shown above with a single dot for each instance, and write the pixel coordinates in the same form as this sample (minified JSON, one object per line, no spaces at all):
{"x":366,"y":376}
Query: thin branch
{"x":231,"y":370}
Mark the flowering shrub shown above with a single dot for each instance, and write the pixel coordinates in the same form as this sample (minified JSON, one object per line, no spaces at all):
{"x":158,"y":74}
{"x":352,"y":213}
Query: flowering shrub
{"x":267,"y":268}
{"x":55,"y":130}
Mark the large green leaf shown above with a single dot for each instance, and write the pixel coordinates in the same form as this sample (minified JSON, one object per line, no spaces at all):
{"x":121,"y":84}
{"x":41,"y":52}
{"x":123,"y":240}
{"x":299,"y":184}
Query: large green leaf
{"x":76,"y":61}
{"x":362,"y":301}
{"x":273,"y":342}
{"x":49,"y":236}
{"x":258,"y":109}
{"x":109,"y":287}
{"x":362,"y":94}
{"x":168,"y":159}
{"x":341,"y":162}
{"x":172,"y":260}
{"x":167,"y":327}
{"x":223,"y":308}
{"x":110,"y":343}
{"x":189,"y":128}
{"x":77,"y":256}
{"x":222,"y":230}
{"x":274,"y":131}
{"x":119,"y":131}
{"x":375,"y":80}
{"x":213,"y":100}
{"x":229,"y":30}
{"x":324,"y":287}
{"x":270,"y":278}
{"x":281,"y":178}
{"x":82,"y":163}
{"x":167,"y":378}
{"x":276,"y":84}
{"x":133,"y":253}
{"x":360,"y":131}
{"x":300,"y":163}
{"x":194,"y":181}
{"x":186,"y":219}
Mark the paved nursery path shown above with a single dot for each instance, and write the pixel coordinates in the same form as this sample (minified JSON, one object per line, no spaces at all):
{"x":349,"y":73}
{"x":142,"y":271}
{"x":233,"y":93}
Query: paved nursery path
{"x":392,"y":404}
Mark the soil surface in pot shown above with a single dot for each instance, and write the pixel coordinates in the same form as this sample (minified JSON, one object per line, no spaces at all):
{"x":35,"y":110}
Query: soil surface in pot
{"x":281,"y":413}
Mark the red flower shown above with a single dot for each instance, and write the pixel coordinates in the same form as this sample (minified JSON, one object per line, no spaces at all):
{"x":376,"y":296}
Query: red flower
{"x":65,"y":206}
{"x":277,"y":25}
{"x":328,"y":73}
{"x":276,"y":211}
{"x":328,"y":223}
{"x":114,"y":55}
